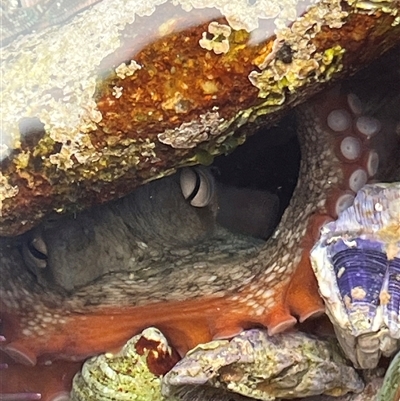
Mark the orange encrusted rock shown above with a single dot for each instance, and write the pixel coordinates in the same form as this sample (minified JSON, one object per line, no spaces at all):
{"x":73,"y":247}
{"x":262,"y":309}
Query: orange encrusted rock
{"x":123,"y":93}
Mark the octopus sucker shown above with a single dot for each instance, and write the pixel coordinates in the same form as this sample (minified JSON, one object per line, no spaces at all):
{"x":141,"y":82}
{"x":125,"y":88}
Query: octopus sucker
{"x":330,"y":177}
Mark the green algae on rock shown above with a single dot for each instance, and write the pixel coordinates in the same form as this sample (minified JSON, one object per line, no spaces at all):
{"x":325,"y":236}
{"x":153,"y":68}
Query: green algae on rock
{"x":390,"y":390}
{"x":126,"y":92}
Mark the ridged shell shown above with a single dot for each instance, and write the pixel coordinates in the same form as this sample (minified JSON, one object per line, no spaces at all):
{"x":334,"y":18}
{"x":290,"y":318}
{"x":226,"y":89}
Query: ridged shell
{"x":357,"y":265}
{"x":120,"y":377}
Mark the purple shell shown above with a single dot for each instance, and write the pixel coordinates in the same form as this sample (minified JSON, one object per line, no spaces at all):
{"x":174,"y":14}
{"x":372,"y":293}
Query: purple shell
{"x":392,"y":309}
{"x":357,"y":265}
{"x":360,"y":268}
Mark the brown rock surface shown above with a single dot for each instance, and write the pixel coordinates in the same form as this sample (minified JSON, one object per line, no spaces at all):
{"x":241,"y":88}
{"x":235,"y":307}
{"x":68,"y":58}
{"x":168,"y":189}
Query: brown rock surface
{"x":123,"y":93}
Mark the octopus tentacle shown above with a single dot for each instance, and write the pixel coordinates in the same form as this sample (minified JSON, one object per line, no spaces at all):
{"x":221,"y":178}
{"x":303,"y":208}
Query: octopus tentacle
{"x":338,"y":159}
{"x":23,"y":383}
{"x":321,"y":193}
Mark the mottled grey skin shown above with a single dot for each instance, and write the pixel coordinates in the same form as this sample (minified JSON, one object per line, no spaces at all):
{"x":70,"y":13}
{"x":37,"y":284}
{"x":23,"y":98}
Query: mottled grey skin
{"x":150,"y":226}
{"x":248,"y":211}
{"x":126,"y":235}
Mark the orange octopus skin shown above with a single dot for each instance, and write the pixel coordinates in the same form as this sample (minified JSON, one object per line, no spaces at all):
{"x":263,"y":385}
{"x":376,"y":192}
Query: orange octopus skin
{"x":49,"y":382}
{"x":278,"y":295}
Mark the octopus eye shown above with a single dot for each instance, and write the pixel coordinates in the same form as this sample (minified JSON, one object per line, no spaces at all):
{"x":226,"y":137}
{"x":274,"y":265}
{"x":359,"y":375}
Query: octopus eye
{"x":35,"y":252}
{"x":197,"y":186}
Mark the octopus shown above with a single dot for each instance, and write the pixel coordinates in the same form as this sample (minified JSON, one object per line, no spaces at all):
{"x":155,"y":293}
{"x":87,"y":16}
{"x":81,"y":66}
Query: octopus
{"x":185,"y":270}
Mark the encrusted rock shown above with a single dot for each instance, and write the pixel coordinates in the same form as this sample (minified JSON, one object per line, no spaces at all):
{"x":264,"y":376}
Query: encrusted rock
{"x":390,"y":390}
{"x":127,"y":91}
{"x":253,"y":364}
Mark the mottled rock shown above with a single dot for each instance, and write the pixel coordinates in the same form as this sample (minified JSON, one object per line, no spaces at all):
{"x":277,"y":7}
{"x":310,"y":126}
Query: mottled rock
{"x":259,"y":366}
{"x":115,"y":97}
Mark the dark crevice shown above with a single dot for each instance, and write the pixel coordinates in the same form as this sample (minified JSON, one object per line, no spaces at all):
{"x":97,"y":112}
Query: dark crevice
{"x":268,"y":161}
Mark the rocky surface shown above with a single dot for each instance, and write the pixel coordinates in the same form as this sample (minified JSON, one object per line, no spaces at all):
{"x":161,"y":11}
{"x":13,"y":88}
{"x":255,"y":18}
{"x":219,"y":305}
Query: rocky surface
{"x":125,"y":91}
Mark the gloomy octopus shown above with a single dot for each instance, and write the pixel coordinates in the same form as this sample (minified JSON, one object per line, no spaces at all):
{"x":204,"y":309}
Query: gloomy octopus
{"x":67,"y":296}
{"x":81,"y":285}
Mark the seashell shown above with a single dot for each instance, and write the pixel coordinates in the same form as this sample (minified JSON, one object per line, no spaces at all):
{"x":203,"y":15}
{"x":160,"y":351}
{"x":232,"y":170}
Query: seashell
{"x":134,"y":373}
{"x":265,"y":367}
{"x":357,"y":265}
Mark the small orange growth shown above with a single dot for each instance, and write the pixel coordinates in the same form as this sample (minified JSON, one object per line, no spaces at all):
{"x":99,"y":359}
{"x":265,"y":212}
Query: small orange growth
{"x":159,"y":361}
